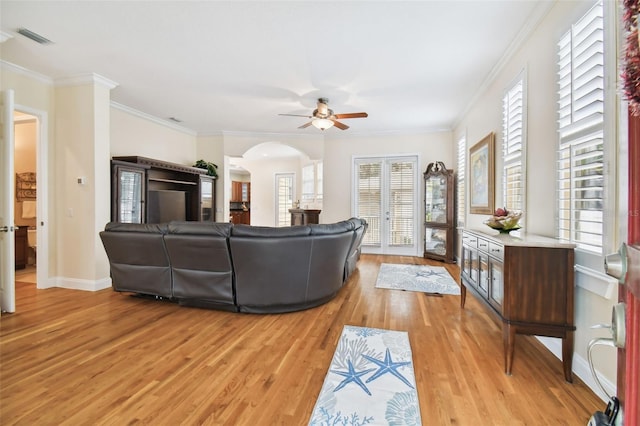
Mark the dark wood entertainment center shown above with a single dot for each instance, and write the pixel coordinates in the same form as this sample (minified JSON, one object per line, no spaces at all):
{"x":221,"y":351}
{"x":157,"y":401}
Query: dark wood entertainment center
{"x":145,"y":190}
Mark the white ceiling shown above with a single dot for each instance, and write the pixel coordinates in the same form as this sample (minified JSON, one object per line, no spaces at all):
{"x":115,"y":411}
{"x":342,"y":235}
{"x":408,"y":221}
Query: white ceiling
{"x":235,"y":65}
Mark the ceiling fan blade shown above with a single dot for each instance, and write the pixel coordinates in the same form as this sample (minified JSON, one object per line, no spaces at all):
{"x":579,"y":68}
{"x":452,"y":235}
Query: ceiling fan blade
{"x":339,"y":125}
{"x":298,"y":115}
{"x":352,"y":115}
{"x":305,"y":125}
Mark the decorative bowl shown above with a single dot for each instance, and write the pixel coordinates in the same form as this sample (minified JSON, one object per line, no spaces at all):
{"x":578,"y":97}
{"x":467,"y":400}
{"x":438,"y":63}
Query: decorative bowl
{"x":505,"y":221}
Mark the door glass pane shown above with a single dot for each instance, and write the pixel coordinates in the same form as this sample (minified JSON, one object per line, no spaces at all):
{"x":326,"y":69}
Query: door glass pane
{"x":401,"y":203}
{"x":284,"y":198}
{"x":496,"y":283}
{"x":436,"y":200}
{"x":369,"y":193}
{"x":207,"y":200}
{"x":130,"y":197}
{"x":436,"y":241}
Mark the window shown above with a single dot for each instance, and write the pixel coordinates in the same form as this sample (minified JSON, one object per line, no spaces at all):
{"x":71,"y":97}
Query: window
{"x":308,"y":183}
{"x":312,"y":183}
{"x":513,"y":146}
{"x":580,"y":161}
{"x":462,"y":160}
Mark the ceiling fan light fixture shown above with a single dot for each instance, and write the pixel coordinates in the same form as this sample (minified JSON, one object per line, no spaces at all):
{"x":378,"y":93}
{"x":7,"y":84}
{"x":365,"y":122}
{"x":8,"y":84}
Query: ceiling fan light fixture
{"x":322,"y":123}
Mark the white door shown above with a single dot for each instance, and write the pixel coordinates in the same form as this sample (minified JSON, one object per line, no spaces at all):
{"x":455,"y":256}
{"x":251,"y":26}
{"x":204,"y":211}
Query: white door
{"x":386,"y":196}
{"x":285,"y":188}
{"x":7,"y":235}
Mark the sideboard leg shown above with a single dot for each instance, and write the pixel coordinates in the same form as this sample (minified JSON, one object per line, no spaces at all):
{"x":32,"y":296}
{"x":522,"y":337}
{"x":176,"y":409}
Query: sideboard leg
{"x":463,"y":295}
{"x":567,"y":355}
{"x":509,"y":338}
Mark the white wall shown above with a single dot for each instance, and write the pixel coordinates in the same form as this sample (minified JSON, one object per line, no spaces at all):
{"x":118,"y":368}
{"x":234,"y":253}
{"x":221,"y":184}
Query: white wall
{"x":340,"y":150}
{"x":537,"y":56}
{"x":36,"y":92}
{"x":134,"y":134}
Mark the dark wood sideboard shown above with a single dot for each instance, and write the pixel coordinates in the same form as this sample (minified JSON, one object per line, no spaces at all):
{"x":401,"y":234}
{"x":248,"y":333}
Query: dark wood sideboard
{"x":527,"y":282}
{"x":304,"y":216}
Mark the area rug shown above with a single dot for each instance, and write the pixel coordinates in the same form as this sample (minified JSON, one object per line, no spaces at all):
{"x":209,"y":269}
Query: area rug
{"x":428,"y":279}
{"x":370,"y":381}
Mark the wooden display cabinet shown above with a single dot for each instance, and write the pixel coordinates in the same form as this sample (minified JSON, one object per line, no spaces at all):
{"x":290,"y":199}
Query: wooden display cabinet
{"x":145,"y":190}
{"x":439,"y":212}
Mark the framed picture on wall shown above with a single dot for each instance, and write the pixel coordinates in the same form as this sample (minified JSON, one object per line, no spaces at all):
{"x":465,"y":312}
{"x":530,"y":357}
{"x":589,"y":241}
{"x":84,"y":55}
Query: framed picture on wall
{"x":481,"y":176}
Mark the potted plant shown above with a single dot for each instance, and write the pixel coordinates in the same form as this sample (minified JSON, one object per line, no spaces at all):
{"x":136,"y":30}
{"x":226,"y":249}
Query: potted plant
{"x":211,"y":168}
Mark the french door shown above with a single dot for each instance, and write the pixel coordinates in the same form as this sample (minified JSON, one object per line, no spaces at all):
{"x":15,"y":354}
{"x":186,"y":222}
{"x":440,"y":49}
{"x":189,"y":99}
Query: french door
{"x":386,"y":196}
{"x":7,"y":228}
{"x":285,"y":188}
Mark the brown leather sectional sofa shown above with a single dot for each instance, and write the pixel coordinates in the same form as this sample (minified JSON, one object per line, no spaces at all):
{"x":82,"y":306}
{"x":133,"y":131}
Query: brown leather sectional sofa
{"x":234,"y":267}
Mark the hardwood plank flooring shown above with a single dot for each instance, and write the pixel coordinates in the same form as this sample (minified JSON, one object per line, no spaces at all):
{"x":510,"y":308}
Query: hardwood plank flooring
{"x":75,"y":358}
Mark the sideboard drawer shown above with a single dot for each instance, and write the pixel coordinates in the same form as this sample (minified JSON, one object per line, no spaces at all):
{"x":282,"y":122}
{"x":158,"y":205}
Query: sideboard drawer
{"x":483,"y":245}
{"x":496,"y":250}
{"x":470,"y":240}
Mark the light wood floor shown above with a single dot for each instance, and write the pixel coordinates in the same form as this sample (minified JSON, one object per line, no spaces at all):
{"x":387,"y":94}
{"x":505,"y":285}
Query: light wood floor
{"x":73,"y":358}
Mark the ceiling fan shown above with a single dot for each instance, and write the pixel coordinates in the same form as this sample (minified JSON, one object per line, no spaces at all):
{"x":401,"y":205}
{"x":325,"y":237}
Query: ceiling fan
{"x":323,"y":117}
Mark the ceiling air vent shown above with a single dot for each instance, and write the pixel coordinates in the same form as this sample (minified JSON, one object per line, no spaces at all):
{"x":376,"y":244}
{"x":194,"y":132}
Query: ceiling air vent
{"x":34,"y":36}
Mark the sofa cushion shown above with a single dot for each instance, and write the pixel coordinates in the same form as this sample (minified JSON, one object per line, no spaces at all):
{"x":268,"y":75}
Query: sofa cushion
{"x":138,"y":258}
{"x":218,"y":229}
{"x":332,"y":228}
{"x":269,"y":232}
{"x":151,"y":228}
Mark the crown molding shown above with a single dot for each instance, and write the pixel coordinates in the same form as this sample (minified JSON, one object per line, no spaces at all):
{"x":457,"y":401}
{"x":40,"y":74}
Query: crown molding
{"x":82,"y":79}
{"x":153,"y":119}
{"x":26,"y":72}
{"x":4,"y":36}
{"x":536,"y":17}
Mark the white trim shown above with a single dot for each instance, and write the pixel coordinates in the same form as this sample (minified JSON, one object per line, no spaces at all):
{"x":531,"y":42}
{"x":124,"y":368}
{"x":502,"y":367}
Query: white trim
{"x":153,"y":119}
{"x":538,"y":14}
{"x":83,"y":79}
{"x":596,"y":282}
{"x":81,"y":284}
{"x":26,"y":72}
{"x":42,"y":200}
{"x":580,"y":368}
{"x":4,"y":36}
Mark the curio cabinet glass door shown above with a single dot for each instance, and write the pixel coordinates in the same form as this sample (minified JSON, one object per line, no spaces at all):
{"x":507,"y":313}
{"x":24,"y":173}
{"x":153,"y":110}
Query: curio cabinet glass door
{"x":439,"y":212}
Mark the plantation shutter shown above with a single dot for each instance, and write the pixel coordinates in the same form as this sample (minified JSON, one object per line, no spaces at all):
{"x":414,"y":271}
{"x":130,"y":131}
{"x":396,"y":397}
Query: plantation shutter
{"x":319,"y":182}
{"x":401,"y":203}
{"x":580,"y":180}
{"x":369,"y":202}
{"x":513,"y":125}
{"x":284,"y":191}
{"x":308,"y":183}
{"x":462,"y":160}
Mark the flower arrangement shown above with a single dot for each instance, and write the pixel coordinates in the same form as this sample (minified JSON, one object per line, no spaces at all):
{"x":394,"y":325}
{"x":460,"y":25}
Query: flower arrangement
{"x":504,"y":220}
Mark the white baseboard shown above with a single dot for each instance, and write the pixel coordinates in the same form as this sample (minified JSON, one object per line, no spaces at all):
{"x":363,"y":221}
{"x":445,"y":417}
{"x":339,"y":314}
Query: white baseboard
{"x":581,"y":368}
{"x":80,"y":284}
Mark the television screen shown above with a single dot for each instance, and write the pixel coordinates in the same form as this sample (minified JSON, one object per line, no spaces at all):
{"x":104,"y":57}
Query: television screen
{"x":165,"y":205}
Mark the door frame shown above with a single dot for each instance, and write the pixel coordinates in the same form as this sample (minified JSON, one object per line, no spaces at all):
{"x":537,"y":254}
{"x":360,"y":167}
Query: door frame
{"x":42,"y":200}
{"x":384,"y":247}
{"x":7,"y":205}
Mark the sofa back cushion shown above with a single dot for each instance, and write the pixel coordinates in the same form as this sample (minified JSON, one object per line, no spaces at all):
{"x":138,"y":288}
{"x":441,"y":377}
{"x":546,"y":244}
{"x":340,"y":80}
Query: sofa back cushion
{"x":138,"y":258}
{"x":200,"y":261}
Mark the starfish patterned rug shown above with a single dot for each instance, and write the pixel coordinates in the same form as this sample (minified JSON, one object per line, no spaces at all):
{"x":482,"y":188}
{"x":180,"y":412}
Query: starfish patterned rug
{"x":428,"y":279}
{"x":370,"y":381}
